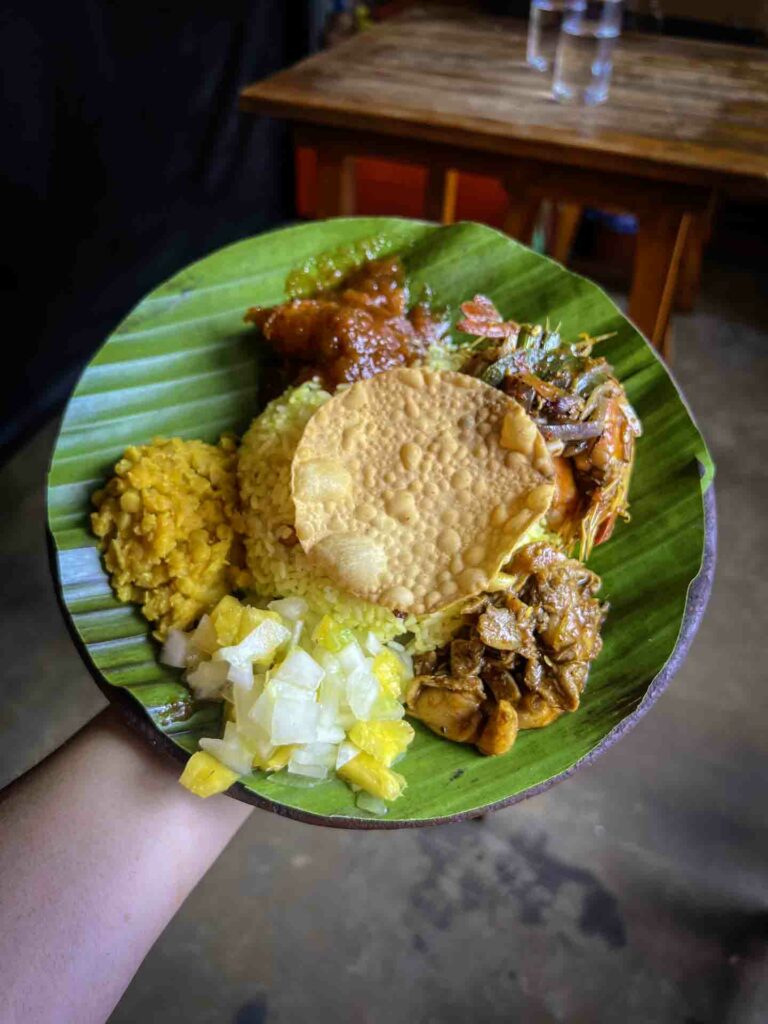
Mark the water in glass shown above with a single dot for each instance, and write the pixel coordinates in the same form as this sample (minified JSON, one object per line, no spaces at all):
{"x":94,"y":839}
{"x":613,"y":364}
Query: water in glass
{"x":584,"y":60}
{"x":544,"y":25}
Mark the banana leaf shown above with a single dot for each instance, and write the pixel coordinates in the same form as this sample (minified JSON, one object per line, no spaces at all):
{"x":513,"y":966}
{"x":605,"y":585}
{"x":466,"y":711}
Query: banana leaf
{"x":182,"y":363}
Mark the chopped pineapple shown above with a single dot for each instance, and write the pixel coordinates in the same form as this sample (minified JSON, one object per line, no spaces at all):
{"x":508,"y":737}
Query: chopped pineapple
{"x":233,"y":621}
{"x":375,"y":778}
{"x":384,"y":741}
{"x":204,"y":776}
{"x":204,"y":637}
{"x":331,"y":636}
{"x":259,"y":646}
{"x":234,"y":638}
{"x":278,"y":759}
{"x":390,"y":672}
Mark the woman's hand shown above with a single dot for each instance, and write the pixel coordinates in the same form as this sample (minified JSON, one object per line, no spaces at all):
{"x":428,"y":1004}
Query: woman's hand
{"x":99,"y":847}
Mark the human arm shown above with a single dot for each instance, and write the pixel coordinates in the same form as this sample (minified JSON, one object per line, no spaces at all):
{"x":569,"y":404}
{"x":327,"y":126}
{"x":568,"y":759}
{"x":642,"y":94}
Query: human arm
{"x":99,"y":847}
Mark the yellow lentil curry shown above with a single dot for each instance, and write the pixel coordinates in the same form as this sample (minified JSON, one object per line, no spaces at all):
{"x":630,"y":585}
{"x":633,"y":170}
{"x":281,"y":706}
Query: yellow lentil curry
{"x":170,"y":529}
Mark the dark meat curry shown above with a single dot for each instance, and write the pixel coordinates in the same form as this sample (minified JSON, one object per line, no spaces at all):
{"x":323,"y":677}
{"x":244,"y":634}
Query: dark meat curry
{"x":522,"y":658}
{"x":353,"y":332}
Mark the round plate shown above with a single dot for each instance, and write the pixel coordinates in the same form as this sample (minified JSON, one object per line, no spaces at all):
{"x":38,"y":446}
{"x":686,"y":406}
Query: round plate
{"x":183,"y":364}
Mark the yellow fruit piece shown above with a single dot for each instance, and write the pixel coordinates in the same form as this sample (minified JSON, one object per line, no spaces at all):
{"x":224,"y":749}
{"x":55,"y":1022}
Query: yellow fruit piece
{"x":277,"y":760}
{"x":384,"y":741}
{"x":375,"y":778}
{"x":205,"y":776}
{"x":226,"y":620}
{"x":233,"y":620}
{"x":253,"y":617}
{"x":329,"y":635}
{"x":204,"y":637}
{"x":390,"y":672}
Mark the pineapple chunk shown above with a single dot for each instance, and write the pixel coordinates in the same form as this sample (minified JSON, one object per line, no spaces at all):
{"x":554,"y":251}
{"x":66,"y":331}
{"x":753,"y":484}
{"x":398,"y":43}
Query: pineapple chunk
{"x":376,"y":779}
{"x":384,"y":741}
{"x":253,"y":617}
{"x":226,"y":620}
{"x":259,"y":646}
{"x":329,"y":635}
{"x":278,"y":759}
{"x":233,"y":621}
{"x":204,"y":637}
{"x":390,"y":672}
{"x":204,"y":776}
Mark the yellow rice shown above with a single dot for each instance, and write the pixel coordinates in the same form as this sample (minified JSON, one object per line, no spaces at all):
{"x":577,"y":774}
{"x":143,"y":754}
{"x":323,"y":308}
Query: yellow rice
{"x":283,"y":570}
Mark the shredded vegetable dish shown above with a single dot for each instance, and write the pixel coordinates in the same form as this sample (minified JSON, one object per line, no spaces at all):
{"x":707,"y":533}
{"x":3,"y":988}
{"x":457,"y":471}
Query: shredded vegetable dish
{"x":400,"y":535}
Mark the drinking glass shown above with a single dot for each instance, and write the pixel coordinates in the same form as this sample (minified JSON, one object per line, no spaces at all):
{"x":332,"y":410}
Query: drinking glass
{"x":544,"y":24}
{"x":584,"y":58}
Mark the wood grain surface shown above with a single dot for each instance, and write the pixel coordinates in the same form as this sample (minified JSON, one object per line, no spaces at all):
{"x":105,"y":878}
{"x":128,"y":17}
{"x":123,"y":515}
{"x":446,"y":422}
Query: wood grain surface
{"x":678,"y":109}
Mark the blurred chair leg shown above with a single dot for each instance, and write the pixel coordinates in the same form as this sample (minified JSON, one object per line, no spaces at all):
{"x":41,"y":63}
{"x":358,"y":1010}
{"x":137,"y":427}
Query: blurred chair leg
{"x":440,"y":195}
{"x":661,"y":240}
{"x":689,"y":282}
{"x":689,"y":278}
{"x":520,"y":219}
{"x":566,"y":220}
{"x":335,"y":182}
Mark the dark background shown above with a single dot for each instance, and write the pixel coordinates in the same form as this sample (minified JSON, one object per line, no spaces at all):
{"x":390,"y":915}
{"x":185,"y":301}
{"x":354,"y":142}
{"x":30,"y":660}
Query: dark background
{"x":124,"y":158}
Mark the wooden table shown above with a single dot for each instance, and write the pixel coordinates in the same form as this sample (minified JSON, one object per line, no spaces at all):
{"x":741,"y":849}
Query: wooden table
{"x":446,"y":87}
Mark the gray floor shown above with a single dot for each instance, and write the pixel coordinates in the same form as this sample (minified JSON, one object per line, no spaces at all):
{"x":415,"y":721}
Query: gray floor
{"x":634,"y":892}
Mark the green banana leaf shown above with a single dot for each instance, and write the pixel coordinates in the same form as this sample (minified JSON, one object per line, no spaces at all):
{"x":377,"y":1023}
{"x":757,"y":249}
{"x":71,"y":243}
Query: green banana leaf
{"x":183,"y":364}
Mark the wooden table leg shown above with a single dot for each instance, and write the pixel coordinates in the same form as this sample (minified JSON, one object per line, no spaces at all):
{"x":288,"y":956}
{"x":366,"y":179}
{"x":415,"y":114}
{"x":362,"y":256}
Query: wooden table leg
{"x":440,"y":195}
{"x":661,"y":239}
{"x":335,"y":182}
{"x":566,"y":220}
{"x":520,"y":219}
{"x":689,"y":280}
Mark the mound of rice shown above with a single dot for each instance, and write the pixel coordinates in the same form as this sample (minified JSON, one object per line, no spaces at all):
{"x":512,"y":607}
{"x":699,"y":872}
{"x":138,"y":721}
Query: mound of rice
{"x":276,"y":561}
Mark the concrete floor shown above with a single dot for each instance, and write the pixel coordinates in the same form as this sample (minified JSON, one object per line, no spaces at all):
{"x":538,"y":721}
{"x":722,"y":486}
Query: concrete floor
{"x":634,"y":892}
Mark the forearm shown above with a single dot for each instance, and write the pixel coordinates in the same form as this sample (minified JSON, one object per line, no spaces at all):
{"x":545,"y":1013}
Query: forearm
{"x":99,"y":846}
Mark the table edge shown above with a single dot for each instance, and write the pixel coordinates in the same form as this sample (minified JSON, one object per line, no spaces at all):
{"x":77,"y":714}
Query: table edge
{"x":262,"y":98}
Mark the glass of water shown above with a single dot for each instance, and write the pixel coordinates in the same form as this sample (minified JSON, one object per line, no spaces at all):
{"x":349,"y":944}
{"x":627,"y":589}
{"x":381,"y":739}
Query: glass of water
{"x":544,"y":25}
{"x":584,"y":58}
